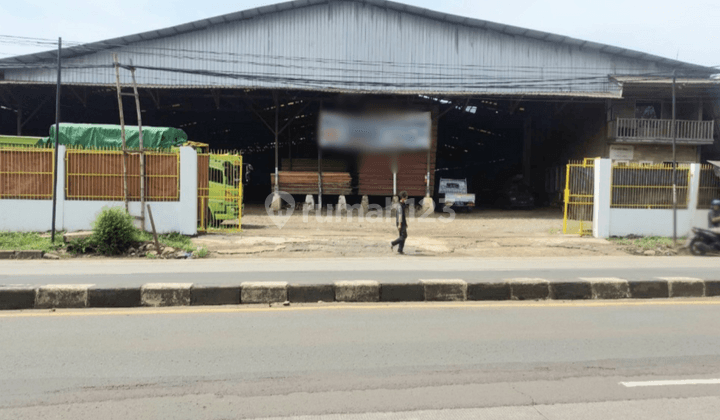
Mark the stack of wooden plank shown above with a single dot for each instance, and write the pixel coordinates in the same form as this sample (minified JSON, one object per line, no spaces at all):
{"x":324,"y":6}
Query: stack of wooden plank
{"x":375,"y":174}
{"x":376,"y":177}
{"x":334,"y":183}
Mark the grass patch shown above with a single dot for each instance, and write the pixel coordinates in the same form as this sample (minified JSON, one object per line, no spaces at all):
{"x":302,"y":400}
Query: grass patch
{"x":26,"y":241}
{"x":647,"y":243}
{"x":201,"y":252}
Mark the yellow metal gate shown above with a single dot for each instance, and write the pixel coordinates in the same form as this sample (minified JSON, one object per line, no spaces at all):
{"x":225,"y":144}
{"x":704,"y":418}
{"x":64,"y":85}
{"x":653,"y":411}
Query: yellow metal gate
{"x":220,"y":192}
{"x":579,"y":194}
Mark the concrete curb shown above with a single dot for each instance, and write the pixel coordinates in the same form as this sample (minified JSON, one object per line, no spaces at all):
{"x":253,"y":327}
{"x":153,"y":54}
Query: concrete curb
{"x":685,"y":287}
{"x":62,"y":296}
{"x":402,"y":292}
{"x":445,"y":290}
{"x":202,"y":294}
{"x":489,"y":291}
{"x":712,"y":288}
{"x":649,"y":289}
{"x":529,"y":289}
{"x":263,"y":292}
{"x":114,"y":297}
{"x":357,"y":291}
{"x":609,"y":288}
{"x":310,"y":293}
{"x":21,"y":255}
{"x":17,"y":297}
{"x":165,"y":294}
{"x":571,"y":290}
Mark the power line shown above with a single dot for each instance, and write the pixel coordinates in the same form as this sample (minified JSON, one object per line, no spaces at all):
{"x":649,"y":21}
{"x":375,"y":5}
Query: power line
{"x":207,"y":55}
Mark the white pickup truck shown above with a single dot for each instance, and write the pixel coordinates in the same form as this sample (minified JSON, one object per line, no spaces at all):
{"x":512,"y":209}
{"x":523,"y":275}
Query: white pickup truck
{"x":454,"y":192}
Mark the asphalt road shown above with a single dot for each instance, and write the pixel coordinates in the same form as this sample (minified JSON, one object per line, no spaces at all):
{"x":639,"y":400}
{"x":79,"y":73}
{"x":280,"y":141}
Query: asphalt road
{"x":518,"y":360}
{"x":117,"y":272}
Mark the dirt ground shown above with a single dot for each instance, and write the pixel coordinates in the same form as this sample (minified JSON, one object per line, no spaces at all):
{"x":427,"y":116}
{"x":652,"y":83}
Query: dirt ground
{"x":481,"y":233}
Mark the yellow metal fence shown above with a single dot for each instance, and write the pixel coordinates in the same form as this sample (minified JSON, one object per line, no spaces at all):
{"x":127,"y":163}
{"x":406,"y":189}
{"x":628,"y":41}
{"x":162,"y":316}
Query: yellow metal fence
{"x":709,"y":187}
{"x":220,"y":191}
{"x":579,"y":194}
{"x":98,"y":175}
{"x":26,"y":173}
{"x":649,"y":186}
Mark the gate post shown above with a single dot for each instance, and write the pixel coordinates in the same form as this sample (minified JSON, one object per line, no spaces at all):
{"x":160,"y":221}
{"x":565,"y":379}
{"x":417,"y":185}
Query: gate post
{"x":188,"y":191}
{"x":602,"y":197}
{"x":60,"y":192}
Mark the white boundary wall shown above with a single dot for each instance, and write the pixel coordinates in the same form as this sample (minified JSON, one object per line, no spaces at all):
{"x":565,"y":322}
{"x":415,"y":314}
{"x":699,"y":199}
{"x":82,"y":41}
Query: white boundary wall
{"x":170,"y":216}
{"x":608,"y":221}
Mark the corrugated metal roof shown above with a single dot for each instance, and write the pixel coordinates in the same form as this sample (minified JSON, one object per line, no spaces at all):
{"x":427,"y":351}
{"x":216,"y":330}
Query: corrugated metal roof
{"x":661,"y":87}
{"x":390,"y":5}
{"x":372,"y":46}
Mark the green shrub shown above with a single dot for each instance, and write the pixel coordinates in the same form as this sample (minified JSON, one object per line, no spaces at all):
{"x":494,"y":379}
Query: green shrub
{"x":114,"y":232}
{"x":201,"y":252}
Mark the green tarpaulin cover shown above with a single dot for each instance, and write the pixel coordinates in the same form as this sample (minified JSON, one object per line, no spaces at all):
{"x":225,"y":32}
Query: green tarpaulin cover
{"x":108,"y":136}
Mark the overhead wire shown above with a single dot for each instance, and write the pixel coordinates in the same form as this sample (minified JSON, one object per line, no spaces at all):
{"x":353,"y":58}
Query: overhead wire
{"x":99,"y":46}
{"x":471,"y":77}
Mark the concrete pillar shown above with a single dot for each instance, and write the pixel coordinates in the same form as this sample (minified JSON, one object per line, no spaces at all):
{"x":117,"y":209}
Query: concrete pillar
{"x":365,"y":204}
{"x":693,"y":198}
{"x":60,"y":191}
{"x":276,"y":203}
{"x":188,"y":191}
{"x":394,"y":205}
{"x":342,"y":204}
{"x":602,"y":198}
{"x":309,"y":203}
{"x":427,"y":205}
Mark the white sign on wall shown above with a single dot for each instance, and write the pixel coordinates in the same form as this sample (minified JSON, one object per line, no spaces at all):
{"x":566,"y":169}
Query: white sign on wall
{"x":621,"y":152}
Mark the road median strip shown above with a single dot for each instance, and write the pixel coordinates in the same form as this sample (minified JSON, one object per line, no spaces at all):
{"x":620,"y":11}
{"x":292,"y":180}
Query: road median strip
{"x":22,"y":296}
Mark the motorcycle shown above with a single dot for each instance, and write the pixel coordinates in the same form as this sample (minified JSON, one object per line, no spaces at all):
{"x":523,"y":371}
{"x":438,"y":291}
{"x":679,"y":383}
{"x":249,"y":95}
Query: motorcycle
{"x":704,"y":241}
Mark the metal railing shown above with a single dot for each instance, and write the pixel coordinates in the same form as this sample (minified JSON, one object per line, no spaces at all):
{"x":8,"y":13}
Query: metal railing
{"x":26,"y":173}
{"x":649,"y":186}
{"x":653,"y":130}
{"x":98,"y":175}
{"x":578,"y":197}
{"x":709,"y":187}
{"x":220,"y":191}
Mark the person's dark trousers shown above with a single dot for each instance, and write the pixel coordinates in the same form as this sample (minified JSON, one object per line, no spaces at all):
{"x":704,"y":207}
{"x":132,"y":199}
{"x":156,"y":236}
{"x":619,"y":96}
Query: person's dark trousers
{"x":400,"y":241}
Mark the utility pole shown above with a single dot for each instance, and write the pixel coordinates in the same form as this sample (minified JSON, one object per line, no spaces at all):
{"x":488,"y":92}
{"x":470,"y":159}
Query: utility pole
{"x":277,"y":146}
{"x":57,"y":140}
{"x":674,"y":179}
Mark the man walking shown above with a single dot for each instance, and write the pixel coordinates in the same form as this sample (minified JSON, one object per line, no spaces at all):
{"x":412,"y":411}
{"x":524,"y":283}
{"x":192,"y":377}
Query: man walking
{"x":401,"y":221}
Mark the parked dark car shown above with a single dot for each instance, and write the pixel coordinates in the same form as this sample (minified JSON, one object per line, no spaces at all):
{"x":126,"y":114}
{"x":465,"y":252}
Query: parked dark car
{"x":516,"y":195}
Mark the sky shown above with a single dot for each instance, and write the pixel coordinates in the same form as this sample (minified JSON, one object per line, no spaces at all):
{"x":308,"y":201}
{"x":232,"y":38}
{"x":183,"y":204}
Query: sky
{"x":684,"y":30}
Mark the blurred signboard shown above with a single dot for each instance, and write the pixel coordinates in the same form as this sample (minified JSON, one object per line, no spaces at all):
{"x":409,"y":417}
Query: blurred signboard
{"x":621,"y":152}
{"x":376,"y":132}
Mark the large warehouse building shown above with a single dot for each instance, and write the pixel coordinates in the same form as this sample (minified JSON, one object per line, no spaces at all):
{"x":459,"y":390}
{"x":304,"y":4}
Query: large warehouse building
{"x":504,"y":101}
